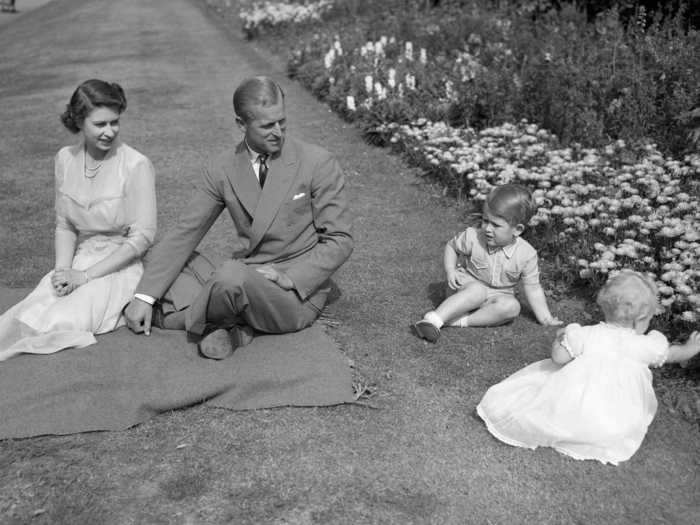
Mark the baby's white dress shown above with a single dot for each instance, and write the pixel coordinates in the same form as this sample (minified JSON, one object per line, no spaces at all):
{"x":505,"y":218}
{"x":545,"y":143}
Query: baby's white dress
{"x":597,"y":406}
{"x":116,"y":206}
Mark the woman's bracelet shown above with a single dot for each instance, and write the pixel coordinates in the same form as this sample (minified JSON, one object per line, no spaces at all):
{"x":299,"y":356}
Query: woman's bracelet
{"x":87,"y":276}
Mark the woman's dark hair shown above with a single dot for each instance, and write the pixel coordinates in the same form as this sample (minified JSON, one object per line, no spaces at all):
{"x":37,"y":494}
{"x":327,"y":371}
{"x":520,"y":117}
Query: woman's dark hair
{"x":89,"y":95}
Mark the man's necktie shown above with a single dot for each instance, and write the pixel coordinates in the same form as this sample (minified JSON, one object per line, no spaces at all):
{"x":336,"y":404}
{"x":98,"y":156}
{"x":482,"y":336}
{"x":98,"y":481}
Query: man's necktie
{"x":262,"y":169}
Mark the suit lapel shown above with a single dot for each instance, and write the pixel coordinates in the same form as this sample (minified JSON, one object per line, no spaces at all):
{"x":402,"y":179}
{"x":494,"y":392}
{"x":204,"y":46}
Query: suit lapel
{"x":243,"y":180}
{"x":280,"y":176}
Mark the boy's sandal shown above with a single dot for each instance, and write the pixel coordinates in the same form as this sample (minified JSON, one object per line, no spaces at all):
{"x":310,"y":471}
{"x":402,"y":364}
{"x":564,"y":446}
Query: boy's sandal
{"x":427,"y":330}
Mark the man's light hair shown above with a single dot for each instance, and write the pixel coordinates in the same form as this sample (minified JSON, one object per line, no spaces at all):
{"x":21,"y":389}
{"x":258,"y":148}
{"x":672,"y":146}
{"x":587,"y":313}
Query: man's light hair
{"x":256,"y":91}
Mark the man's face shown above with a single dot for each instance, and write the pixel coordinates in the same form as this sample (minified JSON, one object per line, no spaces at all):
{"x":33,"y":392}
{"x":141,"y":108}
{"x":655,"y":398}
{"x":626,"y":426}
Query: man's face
{"x":265,"y":132}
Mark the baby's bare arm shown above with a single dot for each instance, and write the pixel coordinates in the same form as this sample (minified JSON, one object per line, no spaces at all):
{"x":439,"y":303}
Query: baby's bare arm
{"x":677,"y":353}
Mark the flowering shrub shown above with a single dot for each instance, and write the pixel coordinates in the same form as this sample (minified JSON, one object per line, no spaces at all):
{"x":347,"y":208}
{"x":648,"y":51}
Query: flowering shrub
{"x":587,"y":83}
{"x":269,"y":14}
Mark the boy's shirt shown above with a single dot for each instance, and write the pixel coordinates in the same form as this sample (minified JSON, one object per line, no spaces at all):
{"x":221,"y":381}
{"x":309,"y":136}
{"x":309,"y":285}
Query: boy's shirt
{"x":498,"y":267}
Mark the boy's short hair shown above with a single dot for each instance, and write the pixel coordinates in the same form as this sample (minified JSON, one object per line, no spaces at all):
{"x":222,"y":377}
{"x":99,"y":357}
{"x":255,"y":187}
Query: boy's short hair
{"x":512,"y":202}
{"x":628,"y":295}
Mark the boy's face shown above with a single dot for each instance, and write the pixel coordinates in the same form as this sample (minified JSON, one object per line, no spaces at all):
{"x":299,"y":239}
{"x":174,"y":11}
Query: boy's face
{"x":498,"y":232}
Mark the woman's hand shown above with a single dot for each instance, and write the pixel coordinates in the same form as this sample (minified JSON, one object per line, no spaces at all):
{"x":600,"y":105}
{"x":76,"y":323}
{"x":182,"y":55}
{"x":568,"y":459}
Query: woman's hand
{"x":65,"y":280}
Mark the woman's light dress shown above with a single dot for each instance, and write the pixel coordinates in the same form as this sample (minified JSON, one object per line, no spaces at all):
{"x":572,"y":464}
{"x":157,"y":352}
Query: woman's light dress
{"x":597,"y":406}
{"x":116,"y":206}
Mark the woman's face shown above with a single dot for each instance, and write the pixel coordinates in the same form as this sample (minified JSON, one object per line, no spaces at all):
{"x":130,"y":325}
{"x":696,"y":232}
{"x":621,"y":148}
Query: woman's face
{"x":100,"y":129}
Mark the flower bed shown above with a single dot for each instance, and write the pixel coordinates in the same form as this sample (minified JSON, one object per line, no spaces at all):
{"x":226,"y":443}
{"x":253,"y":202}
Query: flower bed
{"x":265,"y":15}
{"x":599,"y":211}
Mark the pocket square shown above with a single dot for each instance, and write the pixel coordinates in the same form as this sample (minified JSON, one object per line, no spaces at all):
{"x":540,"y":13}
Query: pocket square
{"x":298,"y":196}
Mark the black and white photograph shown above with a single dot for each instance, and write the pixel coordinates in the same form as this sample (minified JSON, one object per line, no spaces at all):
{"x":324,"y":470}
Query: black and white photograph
{"x":350,"y":262}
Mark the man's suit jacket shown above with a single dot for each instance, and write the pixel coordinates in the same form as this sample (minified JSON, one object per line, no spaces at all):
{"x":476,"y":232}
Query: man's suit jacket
{"x":299,"y":221}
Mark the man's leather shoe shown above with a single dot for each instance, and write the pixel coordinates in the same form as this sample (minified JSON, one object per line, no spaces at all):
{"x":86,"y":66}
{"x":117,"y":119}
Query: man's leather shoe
{"x":221,"y":343}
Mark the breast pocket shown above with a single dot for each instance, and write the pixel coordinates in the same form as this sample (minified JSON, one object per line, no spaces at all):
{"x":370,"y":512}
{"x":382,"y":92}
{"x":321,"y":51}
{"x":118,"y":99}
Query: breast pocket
{"x":478,"y":262}
{"x":297,"y":208}
{"x":512,"y":276}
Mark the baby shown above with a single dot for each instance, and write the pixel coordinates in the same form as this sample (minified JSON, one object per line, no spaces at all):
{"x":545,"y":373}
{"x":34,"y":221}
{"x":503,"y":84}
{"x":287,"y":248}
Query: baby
{"x":484,"y":265}
{"x":594,"y":398}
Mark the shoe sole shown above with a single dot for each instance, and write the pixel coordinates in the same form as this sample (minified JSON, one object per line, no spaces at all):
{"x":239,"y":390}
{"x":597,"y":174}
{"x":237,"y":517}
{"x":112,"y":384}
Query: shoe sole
{"x":225,"y":342}
{"x":427,"y":331}
{"x":216,"y":345}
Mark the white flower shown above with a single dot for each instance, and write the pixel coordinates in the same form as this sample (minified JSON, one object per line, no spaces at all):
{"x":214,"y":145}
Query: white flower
{"x":423,"y":56}
{"x":410,"y":82}
{"x":391,"y":78}
{"x":369,"y":84}
{"x":329,"y":58}
{"x":350,"y":103}
{"x":408,"y":53}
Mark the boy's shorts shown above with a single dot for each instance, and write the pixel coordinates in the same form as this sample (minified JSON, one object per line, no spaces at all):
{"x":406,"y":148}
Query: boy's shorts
{"x":491,"y":292}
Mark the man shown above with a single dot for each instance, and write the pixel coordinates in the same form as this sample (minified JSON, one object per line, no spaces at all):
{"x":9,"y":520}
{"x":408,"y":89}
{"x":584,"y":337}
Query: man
{"x":291,"y":231}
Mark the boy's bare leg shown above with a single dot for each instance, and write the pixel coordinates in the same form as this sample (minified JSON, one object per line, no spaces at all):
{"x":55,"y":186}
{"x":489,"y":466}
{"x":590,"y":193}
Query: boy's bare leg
{"x":463,"y":301}
{"x":496,"y":311}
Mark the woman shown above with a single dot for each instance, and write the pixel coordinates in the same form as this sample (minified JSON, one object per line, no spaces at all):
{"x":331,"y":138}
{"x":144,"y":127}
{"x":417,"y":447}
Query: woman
{"x":105,"y":222}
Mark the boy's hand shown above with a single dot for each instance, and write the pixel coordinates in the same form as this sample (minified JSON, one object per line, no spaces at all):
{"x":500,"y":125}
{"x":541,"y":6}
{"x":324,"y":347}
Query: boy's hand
{"x":452,"y":279}
{"x":456,"y":280}
{"x":551,"y":321}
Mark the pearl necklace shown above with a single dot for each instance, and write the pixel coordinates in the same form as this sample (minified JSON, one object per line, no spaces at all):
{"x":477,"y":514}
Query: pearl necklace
{"x":88,"y":172}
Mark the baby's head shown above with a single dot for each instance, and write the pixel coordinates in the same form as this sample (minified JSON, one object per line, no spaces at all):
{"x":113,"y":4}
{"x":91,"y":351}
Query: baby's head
{"x":629,"y":299}
{"x":507,"y":210}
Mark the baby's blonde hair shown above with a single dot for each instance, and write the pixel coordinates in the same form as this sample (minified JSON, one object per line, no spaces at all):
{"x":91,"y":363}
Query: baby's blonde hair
{"x":627,"y":296}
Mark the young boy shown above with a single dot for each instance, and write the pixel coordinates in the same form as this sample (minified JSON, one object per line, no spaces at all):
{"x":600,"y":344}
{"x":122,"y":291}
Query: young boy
{"x":483,"y":266}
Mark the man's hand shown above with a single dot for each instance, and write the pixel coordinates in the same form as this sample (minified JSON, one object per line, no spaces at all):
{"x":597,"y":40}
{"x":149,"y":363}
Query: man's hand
{"x":138,"y":315}
{"x":276,"y":277}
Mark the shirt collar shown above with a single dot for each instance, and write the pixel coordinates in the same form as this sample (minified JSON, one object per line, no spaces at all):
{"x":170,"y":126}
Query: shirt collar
{"x":252,"y":155}
{"x":508,"y":251}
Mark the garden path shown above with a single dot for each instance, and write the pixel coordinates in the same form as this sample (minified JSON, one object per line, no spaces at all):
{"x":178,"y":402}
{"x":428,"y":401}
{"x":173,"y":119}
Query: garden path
{"x":421,"y":456}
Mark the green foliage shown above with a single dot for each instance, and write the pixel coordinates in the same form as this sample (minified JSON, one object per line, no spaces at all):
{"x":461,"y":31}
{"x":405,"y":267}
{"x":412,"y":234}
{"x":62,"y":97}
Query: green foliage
{"x":589,"y":83}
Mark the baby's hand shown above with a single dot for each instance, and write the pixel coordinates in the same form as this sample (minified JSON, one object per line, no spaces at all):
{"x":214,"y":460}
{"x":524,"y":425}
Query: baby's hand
{"x":559,"y":337}
{"x":693,"y":342}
